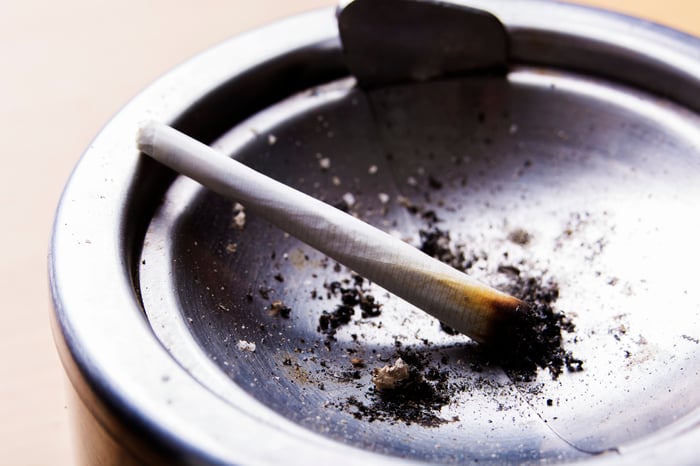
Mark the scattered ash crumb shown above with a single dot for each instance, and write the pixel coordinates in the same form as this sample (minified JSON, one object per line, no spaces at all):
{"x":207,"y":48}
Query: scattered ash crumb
{"x":324,"y":163}
{"x":510,"y":270}
{"x":329,"y":322}
{"x":520,"y":236}
{"x":246,"y":346}
{"x":357,"y":362}
{"x":352,"y":294}
{"x":437,"y":243}
{"x":349,"y":199}
{"x":434,"y":183}
{"x":427,"y":215}
{"x":238,"y":219}
{"x":690,"y":339}
{"x":265,"y":291}
{"x":279,"y":309}
{"x":416,"y":394}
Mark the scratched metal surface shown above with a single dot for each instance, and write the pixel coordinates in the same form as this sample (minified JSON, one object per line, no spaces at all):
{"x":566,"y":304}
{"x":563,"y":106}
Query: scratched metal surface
{"x":603,"y":178}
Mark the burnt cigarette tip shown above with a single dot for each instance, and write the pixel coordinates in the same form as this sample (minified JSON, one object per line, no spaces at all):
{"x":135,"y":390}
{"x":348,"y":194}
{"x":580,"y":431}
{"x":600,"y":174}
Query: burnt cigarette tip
{"x":513,"y":323}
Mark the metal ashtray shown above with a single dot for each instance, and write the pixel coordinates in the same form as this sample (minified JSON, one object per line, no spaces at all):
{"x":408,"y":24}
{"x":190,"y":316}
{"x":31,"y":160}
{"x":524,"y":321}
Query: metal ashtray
{"x":542,"y":143}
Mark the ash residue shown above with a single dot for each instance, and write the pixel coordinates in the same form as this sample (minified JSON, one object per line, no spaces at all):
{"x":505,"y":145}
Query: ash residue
{"x":278,"y":308}
{"x":537,"y":342}
{"x":519,"y":236}
{"x":330,"y":321}
{"x":417,"y":399}
{"x":352,"y":294}
{"x":437,"y":243}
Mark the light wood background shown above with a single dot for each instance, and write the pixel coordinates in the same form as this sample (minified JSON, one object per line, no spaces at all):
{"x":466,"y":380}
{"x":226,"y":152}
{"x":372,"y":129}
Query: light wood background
{"x":65,"y":68}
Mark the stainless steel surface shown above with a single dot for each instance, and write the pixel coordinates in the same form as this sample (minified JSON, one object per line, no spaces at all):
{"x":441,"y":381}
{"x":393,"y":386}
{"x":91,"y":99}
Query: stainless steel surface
{"x":603,"y":176}
{"x":662,"y":61}
{"x":395,"y":41}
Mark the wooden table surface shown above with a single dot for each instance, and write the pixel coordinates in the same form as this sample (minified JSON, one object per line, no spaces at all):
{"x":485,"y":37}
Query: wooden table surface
{"x":65,"y":69}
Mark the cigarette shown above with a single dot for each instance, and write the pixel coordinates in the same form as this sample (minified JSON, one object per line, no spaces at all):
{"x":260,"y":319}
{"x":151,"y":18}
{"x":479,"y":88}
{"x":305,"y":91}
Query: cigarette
{"x":483,"y":313}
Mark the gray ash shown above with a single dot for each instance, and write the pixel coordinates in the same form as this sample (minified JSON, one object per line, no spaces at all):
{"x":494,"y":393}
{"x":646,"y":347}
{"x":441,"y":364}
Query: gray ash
{"x":330,"y":321}
{"x":438,"y":244}
{"x":417,"y":400}
{"x":278,"y":308}
{"x":533,"y":345}
{"x":537,"y":341}
{"x":352,"y":293}
{"x":520,"y":236}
